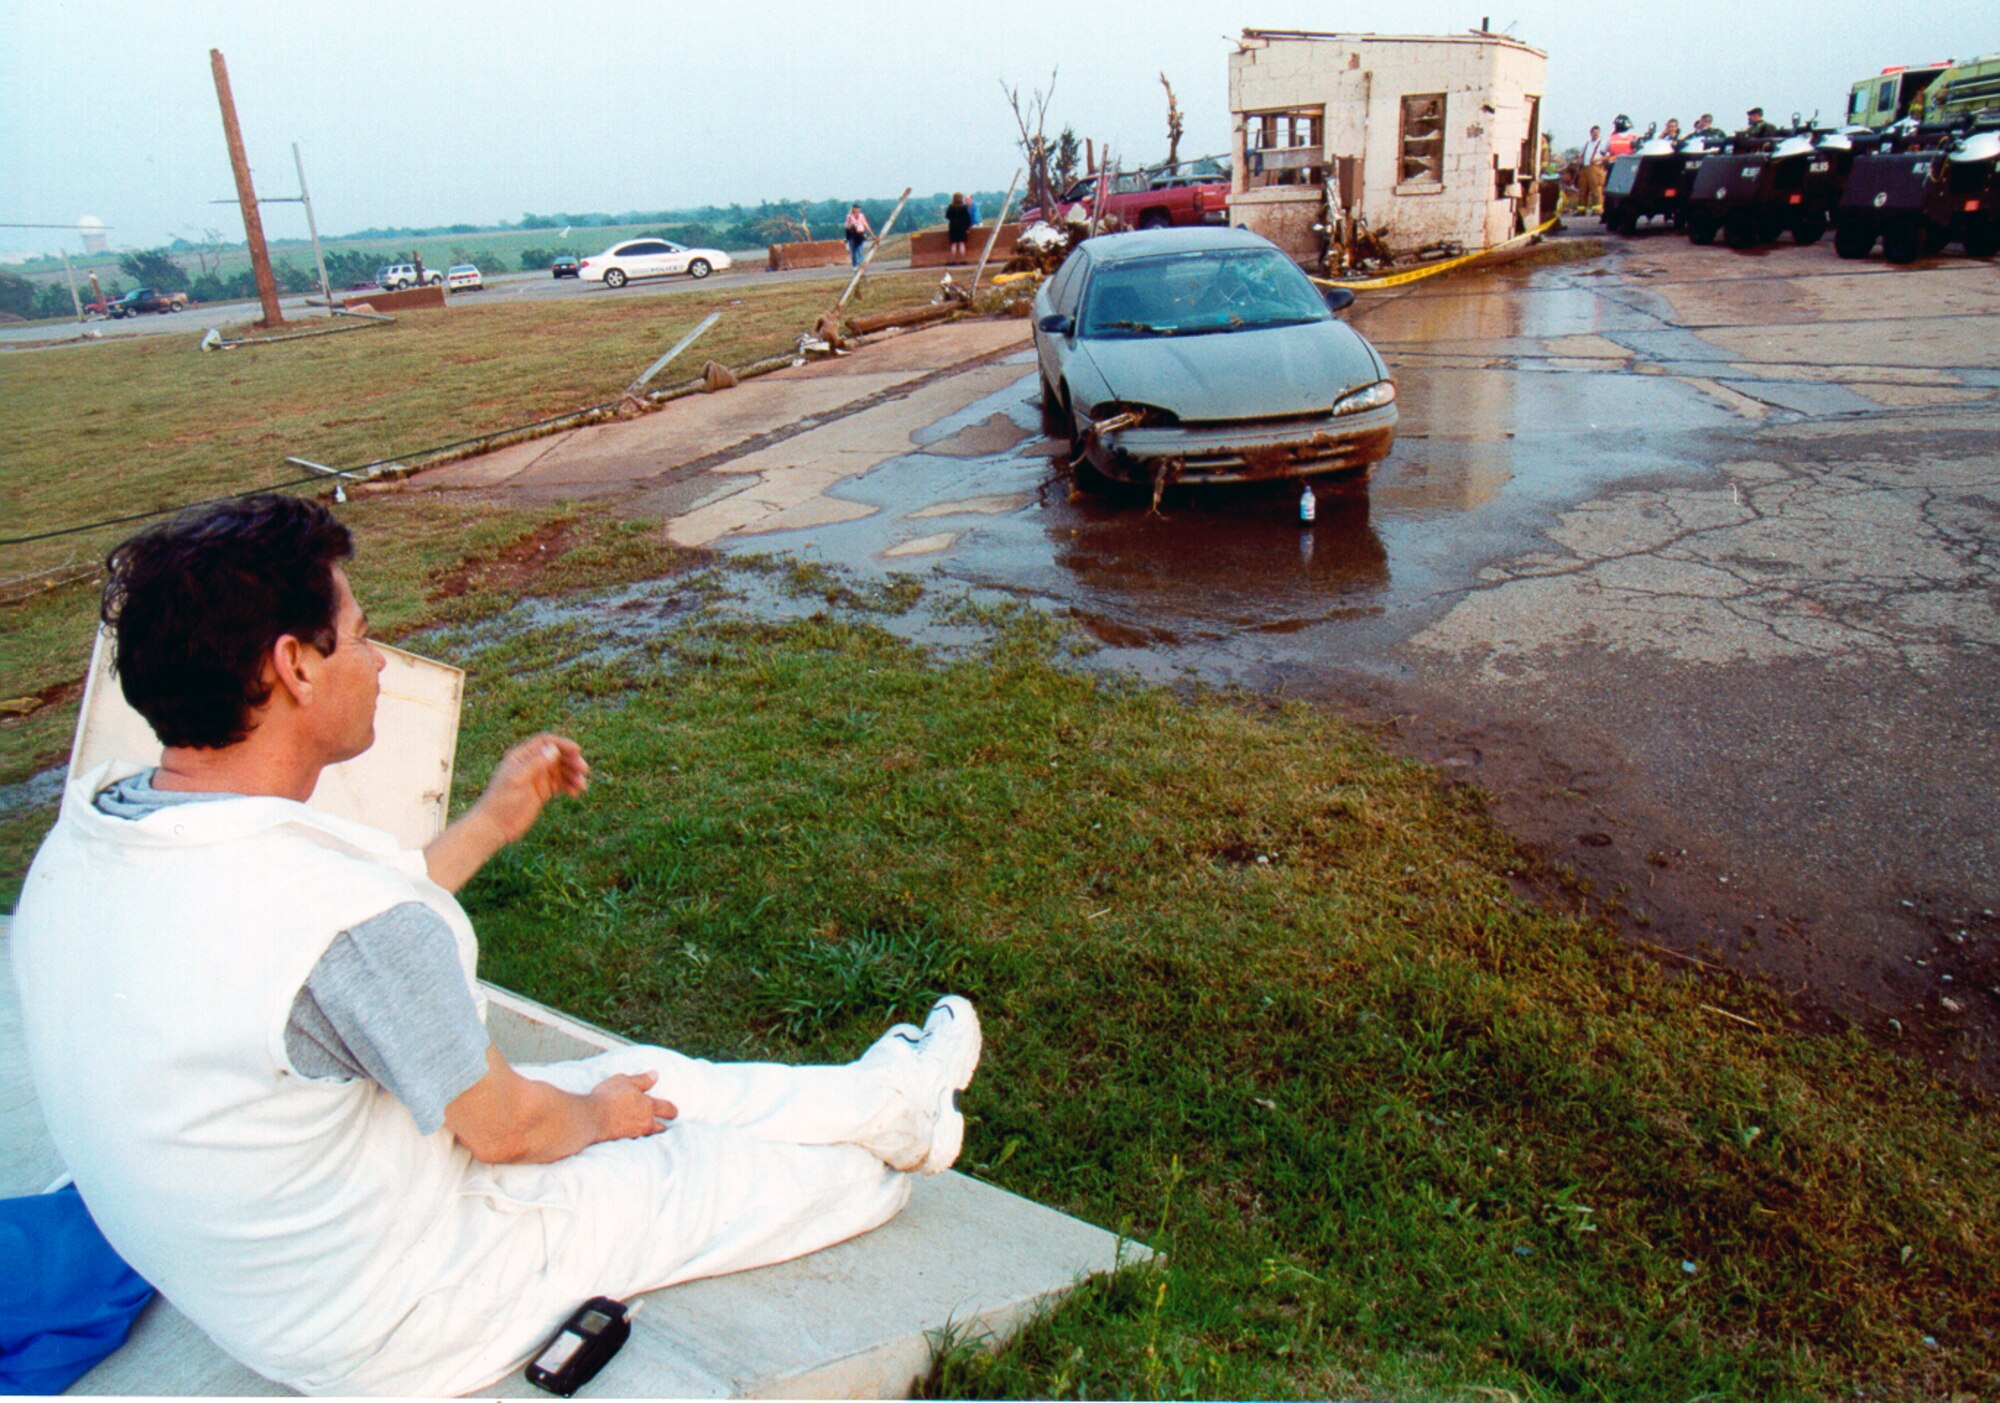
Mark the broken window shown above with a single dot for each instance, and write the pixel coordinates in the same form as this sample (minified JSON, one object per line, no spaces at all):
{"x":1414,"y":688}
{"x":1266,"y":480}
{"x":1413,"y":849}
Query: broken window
{"x":1285,"y":148}
{"x":1422,"y":148}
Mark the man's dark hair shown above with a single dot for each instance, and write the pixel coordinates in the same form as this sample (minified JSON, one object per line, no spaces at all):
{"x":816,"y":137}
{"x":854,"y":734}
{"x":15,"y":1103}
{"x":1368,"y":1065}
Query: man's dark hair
{"x":197,"y":601}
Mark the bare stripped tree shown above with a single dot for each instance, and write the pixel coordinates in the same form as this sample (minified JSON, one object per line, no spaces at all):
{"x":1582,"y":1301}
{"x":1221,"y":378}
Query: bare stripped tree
{"x":1031,"y":118}
{"x":786,"y":228}
{"x":1173,"y":125}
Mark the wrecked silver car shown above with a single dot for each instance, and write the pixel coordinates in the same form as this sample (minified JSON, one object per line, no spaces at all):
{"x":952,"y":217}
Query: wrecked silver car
{"x":1205,"y":356}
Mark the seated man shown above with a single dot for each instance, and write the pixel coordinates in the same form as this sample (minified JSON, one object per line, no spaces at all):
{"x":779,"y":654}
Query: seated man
{"x":258,"y":1042}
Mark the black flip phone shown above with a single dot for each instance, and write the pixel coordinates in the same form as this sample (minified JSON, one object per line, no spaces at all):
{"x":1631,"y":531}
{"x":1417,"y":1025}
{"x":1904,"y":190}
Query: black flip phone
{"x":584,"y":1345}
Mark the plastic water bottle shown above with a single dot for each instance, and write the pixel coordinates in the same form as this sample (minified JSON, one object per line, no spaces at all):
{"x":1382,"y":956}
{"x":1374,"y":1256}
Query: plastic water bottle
{"x":1308,"y":506}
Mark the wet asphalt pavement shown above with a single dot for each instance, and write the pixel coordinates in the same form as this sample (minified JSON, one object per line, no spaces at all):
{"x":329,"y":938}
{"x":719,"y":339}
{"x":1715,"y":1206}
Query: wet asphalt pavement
{"x":1687,"y":558}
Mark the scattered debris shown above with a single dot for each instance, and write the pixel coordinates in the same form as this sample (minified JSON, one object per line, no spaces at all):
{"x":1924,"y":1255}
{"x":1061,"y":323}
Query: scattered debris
{"x":717,"y":376}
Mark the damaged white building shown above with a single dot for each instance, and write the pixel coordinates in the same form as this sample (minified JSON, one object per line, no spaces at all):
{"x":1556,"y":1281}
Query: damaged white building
{"x":1426,"y":141}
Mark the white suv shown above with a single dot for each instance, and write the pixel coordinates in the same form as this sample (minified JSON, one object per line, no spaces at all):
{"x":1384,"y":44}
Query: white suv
{"x":400,"y":275}
{"x":650,"y":258}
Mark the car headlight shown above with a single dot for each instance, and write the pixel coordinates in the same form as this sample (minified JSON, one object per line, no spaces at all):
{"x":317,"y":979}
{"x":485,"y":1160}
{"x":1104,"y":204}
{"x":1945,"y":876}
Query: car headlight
{"x":1373,"y":396}
{"x":1146,"y":415}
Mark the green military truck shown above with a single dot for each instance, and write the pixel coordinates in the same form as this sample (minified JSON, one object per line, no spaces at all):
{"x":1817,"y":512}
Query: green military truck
{"x":1962,"y":90}
{"x":1888,"y":96}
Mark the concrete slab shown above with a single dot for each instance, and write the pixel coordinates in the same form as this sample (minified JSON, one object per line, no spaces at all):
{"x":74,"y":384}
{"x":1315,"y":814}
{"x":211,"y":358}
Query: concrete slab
{"x":996,"y":505}
{"x":854,"y":1321}
{"x":632,"y":450}
{"x":804,"y":467}
{"x":923,"y":545}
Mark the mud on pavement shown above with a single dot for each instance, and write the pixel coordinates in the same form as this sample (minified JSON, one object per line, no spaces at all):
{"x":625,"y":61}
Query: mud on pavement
{"x":1686,"y":557}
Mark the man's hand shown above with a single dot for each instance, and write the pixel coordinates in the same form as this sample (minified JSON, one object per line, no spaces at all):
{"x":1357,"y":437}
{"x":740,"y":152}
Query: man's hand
{"x":527,"y":777}
{"x":623,"y":1109}
{"x":506,"y":1118}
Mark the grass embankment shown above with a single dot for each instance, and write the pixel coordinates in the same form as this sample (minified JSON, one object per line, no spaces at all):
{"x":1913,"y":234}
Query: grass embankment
{"x":1257,"y":994}
{"x":124,"y":427}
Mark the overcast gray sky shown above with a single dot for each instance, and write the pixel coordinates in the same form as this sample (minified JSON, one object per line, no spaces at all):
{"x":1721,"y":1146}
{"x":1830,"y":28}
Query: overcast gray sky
{"x":433,"y":113}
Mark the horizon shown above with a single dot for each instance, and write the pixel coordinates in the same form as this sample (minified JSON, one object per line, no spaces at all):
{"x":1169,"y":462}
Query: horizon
{"x":474,"y":120}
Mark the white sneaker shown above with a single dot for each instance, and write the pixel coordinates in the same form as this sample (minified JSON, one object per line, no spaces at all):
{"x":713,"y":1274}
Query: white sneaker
{"x":949,"y":1053}
{"x":920,"y":1130}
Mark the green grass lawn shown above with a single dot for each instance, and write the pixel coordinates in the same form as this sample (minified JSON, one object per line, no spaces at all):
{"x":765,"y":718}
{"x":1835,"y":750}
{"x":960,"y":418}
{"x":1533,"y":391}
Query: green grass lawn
{"x":1257,"y":993}
{"x":119,"y":428}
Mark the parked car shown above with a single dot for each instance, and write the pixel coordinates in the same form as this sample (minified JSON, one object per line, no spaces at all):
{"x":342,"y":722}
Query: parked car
{"x":144,"y":299}
{"x":650,"y":258}
{"x":1205,"y":356}
{"x":395,"y":276}
{"x":563,"y":266}
{"x":463,"y":277}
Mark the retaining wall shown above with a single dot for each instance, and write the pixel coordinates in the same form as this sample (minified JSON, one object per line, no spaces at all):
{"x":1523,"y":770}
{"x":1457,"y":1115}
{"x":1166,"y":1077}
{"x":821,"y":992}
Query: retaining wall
{"x":931,"y":248}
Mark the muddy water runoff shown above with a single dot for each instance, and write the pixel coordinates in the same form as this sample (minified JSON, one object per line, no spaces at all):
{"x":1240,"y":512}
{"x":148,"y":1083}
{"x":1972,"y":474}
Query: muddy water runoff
{"x":1496,"y":437}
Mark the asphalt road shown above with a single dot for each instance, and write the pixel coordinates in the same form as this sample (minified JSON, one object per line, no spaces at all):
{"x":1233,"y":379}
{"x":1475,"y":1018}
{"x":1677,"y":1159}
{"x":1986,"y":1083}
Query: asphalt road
{"x":500,"y":287}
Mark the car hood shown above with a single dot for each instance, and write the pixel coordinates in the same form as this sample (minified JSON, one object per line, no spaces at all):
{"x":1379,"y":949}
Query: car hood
{"x":1239,"y":374}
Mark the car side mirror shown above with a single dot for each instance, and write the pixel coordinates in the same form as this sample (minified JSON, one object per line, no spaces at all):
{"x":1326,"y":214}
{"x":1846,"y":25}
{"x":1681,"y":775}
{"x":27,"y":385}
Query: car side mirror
{"x":1338,"y":299}
{"x":1056,"y":324}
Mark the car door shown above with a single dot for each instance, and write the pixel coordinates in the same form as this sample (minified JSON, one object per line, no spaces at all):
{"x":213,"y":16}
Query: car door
{"x":1064,"y":290}
{"x":675,"y":259}
{"x":641,"y":258}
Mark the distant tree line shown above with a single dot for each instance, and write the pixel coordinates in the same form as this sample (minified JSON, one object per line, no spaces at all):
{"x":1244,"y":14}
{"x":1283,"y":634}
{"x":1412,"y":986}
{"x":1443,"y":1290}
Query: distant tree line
{"x":714,"y":226}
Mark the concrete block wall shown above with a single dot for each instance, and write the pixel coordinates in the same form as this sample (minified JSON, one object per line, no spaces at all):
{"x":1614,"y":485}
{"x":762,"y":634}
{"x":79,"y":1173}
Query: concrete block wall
{"x":1486,"y":82}
{"x":931,"y":248}
{"x":408,"y":299}
{"x":816,"y":253}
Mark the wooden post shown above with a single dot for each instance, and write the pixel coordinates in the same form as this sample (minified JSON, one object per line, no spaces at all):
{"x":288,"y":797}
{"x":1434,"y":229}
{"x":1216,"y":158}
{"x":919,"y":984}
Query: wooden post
{"x":993,"y":237}
{"x":246,"y":195}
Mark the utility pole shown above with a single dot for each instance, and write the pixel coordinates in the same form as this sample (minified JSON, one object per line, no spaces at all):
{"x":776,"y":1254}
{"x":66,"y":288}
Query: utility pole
{"x":246,"y":195}
{"x":312,"y":227}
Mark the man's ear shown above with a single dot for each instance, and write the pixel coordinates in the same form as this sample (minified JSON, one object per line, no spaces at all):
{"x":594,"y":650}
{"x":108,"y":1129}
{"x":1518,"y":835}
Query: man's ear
{"x":290,"y":666}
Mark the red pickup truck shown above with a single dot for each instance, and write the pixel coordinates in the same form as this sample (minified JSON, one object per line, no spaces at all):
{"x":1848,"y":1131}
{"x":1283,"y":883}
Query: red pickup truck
{"x":139,"y":299}
{"x":1142,"y":200}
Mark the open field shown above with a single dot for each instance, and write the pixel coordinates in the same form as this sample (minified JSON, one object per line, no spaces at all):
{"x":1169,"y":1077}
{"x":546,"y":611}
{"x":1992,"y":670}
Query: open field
{"x":119,"y":429}
{"x":1406,"y":1117}
{"x":495,"y":252}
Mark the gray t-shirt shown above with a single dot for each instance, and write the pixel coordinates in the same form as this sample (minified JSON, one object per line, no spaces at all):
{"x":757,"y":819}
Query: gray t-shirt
{"x":386,"y":1002}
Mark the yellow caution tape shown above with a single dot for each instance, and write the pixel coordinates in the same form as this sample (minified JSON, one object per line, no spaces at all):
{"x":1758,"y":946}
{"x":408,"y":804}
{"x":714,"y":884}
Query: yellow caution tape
{"x":1003,"y":279}
{"x":1431,"y":270}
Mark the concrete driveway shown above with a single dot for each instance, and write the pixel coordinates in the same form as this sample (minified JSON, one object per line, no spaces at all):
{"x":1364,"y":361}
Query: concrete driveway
{"x":1686,"y":557}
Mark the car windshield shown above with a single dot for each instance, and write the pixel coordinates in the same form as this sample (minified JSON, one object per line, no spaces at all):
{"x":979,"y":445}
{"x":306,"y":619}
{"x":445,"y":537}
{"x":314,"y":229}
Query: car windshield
{"x":1199,"y":292}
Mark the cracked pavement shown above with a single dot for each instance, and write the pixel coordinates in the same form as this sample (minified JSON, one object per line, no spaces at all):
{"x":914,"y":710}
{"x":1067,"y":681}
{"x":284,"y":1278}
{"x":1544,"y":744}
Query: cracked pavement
{"x":1685,"y":557}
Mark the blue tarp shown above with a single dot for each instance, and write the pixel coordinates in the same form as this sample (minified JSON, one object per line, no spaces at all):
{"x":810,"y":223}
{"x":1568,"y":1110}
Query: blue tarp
{"x":66,"y":1299}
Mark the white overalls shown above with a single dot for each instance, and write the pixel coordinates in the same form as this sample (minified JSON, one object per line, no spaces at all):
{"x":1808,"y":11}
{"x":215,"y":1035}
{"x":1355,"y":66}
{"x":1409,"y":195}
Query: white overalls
{"x":305,"y":1224}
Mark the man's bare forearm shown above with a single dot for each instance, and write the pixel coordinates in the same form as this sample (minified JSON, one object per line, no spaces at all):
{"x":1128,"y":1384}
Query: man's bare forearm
{"x":455,"y":855}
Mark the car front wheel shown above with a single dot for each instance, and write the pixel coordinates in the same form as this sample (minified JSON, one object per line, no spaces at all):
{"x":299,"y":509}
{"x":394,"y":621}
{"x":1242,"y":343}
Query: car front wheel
{"x":614,"y":277}
{"x":1054,"y":422}
{"x":699,"y":268}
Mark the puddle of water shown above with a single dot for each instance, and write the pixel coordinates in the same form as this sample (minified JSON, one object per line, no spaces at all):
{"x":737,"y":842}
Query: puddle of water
{"x":1484,"y":460}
